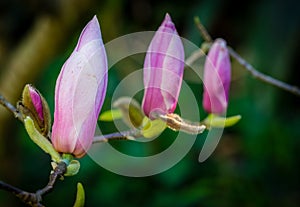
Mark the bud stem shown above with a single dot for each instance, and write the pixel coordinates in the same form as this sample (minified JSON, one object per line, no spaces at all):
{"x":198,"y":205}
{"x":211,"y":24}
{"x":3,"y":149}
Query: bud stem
{"x":176,"y":123}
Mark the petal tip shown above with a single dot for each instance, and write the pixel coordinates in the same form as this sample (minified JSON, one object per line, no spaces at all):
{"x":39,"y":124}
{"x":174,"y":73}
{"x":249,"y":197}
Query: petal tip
{"x":90,"y":32}
{"x":168,"y":23}
{"x":221,"y":42}
{"x":168,"y":17}
{"x":95,"y":21}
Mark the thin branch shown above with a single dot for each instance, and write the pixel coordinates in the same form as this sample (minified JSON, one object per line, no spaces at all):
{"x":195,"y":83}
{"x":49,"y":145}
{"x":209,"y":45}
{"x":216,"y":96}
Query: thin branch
{"x":58,"y":172}
{"x":10,"y":188}
{"x":126,"y":135}
{"x":11,"y":108}
{"x":255,"y":73}
{"x":26,"y":197}
{"x":203,"y":31}
{"x":265,"y":78}
{"x":194,"y":57}
{"x":34,"y":199}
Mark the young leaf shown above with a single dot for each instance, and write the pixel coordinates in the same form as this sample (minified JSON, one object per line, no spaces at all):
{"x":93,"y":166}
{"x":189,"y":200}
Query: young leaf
{"x":111,"y":115}
{"x":80,"y":196}
{"x":213,"y":120}
{"x":40,"y":140}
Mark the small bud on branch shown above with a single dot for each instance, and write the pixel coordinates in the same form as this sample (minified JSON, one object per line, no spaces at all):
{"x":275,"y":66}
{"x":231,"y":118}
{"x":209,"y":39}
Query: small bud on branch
{"x":163,"y":70}
{"x":254,"y":72}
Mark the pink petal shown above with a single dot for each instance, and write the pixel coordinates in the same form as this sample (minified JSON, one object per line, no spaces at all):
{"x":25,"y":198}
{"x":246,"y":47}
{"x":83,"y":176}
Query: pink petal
{"x":217,"y":75}
{"x":37,"y":102}
{"x":163,"y":70}
{"x":80,"y":92}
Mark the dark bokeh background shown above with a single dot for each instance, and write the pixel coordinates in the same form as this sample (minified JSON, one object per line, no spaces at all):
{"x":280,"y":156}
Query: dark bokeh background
{"x":256,"y":162}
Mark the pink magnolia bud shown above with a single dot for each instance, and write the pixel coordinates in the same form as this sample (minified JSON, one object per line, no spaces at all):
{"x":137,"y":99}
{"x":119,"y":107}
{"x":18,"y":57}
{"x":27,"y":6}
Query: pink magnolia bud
{"x":163,"y":70}
{"x":80,"y":92}
{"x":34,"y":105}
{"x":37,"y":102}
{"x":217,"y":73}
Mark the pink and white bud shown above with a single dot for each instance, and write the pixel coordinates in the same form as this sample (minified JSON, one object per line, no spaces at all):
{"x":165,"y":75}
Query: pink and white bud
{"x":163,"y":70}
{"x":79,"y":93}
{"x":216,"y":81}
{"x":36,"y":101}
{"x":34,"y":105}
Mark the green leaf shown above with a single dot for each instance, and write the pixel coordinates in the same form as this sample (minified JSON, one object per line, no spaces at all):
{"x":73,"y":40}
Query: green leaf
{"x":216,"y":121}
{"x":80,"y":196}
{"x":152,"y":128}
{"x":111,"y":115}
{"x":40,"y":140}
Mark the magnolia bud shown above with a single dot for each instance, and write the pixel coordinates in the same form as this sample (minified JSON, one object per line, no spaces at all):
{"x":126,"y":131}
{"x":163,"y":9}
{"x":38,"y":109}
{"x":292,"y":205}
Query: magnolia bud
{"x":79,"y":93}
{"x":217,"y":74}
{"x":33,"y":104}
{"x":163,"y":70}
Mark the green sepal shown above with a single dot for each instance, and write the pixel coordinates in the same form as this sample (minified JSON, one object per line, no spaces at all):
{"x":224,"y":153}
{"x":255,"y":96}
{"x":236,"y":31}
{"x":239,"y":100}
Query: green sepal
{"x":72,"y":168}
{"x":152,"y":128}
{"x":67,"y":158}
{"x":40,"y":140}
{"x":111,"y":115}
{"x":132,"y":113}
{"x":80,"y":196}
{"x":216,"y":121}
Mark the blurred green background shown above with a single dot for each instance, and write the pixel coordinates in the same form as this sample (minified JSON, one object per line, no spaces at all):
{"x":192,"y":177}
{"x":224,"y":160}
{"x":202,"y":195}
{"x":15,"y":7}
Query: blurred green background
{"x":256,"y":162}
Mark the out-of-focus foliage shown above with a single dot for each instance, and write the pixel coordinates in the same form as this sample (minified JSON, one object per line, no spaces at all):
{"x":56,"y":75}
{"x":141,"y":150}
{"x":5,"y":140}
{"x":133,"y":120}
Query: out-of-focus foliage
{"x":256,"y":162}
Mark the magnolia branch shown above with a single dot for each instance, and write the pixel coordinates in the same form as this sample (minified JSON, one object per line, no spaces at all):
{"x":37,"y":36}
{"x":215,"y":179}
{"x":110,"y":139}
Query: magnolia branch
{"x":34,"y":199}
{"x":265,"y":78}
{"x":254,"y":72}
{"x":203,"y":31}
{"x":10,"y":108}
{"x":125,"y":135}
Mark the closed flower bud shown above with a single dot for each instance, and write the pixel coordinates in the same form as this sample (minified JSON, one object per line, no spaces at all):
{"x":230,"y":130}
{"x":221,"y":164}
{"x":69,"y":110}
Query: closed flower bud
{"x":163,"y":70}
{"x":216,"y":81}
{"x":79,"y":93}
{"x":34,"y":105}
